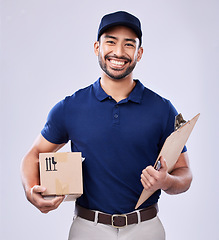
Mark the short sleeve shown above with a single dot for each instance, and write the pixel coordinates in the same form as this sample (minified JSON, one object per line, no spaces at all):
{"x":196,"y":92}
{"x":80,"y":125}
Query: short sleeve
{"x":54,"y":130}
{"x":170,"y":122}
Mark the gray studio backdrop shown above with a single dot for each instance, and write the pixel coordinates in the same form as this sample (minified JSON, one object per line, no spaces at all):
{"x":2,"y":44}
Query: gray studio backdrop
{"x":47,"y":53}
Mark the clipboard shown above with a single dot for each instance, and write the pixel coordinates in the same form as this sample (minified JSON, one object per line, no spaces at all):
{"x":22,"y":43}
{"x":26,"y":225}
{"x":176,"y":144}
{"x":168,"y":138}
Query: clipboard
{"x":172,"y":148}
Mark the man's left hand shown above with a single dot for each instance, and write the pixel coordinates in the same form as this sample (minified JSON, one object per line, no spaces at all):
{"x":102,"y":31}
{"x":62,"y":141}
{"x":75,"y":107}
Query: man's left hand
{"x":152,"y":179}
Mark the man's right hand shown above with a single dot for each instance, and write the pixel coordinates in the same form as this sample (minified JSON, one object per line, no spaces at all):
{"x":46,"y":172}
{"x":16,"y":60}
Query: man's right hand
{"x":31,"y":177}
{"x":45,"y":206}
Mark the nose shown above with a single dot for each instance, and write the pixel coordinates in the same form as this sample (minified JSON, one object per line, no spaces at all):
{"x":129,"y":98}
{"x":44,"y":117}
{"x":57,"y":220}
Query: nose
{"x":119,"y":50}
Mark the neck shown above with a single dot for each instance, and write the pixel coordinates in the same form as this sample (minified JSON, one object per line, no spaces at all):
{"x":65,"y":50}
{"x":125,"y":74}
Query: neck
{"x":118,"y":89}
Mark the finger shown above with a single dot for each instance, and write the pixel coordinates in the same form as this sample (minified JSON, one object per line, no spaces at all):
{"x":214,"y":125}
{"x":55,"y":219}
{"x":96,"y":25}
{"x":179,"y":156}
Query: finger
{"x":144,"y":184}
{"x":37,"y":189}
{"x":146,"y":187}
{"x":38,"y":199}
{"x":151,"y":174}
{"x":144,"y":179}
{"x":147,"y":178}
{"x":36,"y":193}
{"x":151,"y":171}
{"x":44,"y":205}
{"x":58,"y":200}
{"x":163,"y":163}
{"x":52,"y":204}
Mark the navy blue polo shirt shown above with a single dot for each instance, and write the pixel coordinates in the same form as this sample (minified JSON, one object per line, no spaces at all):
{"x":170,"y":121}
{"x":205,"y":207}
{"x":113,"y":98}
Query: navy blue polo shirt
{"x":117,"y":140}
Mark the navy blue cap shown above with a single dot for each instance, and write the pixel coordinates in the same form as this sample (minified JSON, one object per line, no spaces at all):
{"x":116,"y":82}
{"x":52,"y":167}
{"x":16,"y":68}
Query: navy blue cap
{"x":120,"y":18}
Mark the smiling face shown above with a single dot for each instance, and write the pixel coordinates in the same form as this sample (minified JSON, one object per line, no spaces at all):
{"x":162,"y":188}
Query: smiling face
{"x":118,"y":52}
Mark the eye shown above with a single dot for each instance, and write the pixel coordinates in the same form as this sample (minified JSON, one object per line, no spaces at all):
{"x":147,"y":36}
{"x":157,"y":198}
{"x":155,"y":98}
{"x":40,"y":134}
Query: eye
{"x":130,"y":45}
{"x":110,"y":42}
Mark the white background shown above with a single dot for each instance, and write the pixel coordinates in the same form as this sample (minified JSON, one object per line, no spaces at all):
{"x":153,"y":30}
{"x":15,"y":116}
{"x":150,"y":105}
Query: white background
{"x":47,"y":53}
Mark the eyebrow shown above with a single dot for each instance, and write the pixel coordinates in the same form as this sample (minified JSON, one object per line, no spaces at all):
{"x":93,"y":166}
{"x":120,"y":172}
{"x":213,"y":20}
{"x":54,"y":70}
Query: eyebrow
{"x":130,"y":40}
{"x":126,"y":39}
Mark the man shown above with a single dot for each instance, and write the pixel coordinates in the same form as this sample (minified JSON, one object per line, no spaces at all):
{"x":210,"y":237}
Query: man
{"x":119,"y":126}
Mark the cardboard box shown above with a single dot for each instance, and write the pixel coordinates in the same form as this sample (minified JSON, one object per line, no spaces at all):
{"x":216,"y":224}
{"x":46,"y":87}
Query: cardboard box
{"x":61,"y":174}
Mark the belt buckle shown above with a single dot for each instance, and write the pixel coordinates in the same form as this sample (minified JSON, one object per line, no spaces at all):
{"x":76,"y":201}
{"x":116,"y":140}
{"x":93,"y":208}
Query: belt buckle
{"x":118,"y":215}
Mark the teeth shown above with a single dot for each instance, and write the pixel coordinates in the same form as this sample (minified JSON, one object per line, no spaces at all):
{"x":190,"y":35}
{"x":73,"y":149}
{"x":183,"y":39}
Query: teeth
{"x":117,"y":62}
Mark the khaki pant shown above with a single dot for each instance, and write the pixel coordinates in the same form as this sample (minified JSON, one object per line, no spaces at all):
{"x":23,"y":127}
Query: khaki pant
{"x":82,"y":229}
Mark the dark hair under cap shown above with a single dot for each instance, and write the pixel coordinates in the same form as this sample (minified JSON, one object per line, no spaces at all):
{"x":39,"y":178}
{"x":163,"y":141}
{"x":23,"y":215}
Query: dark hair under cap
{"x":120,"y":18}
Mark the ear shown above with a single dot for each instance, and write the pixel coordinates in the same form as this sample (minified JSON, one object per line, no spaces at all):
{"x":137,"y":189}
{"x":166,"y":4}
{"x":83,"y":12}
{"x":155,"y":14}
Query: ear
{"x":140,"y":52}
{"x":96,"y":47}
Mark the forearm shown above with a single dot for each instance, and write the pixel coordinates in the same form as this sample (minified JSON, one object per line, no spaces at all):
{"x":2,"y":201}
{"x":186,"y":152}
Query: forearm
{"x":178,"y":181}
{"x":30,"y":171}
{"x":30,"y":163}
{"x":31,"y":179}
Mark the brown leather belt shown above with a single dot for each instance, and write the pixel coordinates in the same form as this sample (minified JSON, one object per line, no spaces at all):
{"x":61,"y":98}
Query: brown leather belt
{"x":118,"y":220}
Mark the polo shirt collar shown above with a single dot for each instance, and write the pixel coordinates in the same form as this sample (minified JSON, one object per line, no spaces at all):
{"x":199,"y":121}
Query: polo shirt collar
{"x":99,"y":92}
{"x":135,"y":95}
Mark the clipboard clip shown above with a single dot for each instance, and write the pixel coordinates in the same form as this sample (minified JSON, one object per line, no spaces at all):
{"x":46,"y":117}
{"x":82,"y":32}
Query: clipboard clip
{"x":157,"y":165}
{"x":179,"y":121}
